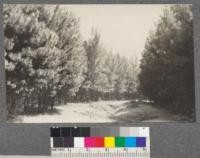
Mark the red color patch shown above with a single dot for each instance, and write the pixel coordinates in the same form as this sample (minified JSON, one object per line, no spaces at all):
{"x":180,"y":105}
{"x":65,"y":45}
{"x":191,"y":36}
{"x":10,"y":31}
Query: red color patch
{"x":99,"y":142}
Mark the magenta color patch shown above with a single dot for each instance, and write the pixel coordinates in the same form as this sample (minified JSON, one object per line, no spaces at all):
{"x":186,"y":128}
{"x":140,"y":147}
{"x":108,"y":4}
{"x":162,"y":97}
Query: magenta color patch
{"x":89,"y":142}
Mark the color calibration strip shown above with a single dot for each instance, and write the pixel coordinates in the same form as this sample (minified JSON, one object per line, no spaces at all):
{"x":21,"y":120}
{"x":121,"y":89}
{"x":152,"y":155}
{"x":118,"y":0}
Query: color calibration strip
{"x":100,"y":142}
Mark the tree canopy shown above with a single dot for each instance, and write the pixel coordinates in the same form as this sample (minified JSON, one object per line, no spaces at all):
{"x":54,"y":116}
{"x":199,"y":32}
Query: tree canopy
{"x":167,"y":66}
{"x":48,"y":63}
{"x":43,"y":53}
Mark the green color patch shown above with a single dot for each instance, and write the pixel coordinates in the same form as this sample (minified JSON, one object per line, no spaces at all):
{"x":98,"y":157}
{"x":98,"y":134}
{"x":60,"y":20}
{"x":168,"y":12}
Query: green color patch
{"x":119,"y":141}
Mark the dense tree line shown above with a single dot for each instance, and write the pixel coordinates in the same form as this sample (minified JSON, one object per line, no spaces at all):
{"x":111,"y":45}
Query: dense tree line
{"x":167,"y":67}
{"x":48,"y":63}
{"x":109,"y":76}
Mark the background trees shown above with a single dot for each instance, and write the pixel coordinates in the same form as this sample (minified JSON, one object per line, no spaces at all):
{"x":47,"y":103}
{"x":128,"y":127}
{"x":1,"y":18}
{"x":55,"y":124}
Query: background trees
{"x":167,"y":68}
{"x":109,"y":76}
{"x":94,"y":78}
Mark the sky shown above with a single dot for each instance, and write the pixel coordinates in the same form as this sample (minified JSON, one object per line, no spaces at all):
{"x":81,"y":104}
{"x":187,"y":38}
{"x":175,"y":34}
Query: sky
{"x":123,"y":28}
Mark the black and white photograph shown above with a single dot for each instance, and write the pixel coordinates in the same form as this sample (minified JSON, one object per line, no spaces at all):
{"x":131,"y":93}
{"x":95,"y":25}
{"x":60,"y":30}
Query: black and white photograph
{"x":99,"y":63}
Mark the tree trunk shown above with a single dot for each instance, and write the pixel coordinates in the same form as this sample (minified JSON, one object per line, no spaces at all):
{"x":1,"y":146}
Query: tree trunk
{"x":52,"y":103}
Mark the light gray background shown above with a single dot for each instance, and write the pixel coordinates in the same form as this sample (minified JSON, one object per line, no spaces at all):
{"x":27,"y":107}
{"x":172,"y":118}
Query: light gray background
{"x":168,"y":140}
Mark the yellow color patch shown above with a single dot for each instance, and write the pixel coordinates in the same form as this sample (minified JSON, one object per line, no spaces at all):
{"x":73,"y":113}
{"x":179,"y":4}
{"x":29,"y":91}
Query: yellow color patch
{"x":109,"y":142}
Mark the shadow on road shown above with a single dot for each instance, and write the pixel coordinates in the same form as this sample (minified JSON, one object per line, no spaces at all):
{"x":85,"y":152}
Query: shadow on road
{"x":140,"y":111}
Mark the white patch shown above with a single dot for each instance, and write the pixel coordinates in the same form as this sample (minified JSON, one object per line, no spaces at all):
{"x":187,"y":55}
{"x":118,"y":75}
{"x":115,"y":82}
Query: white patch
{"x":79,"y":142}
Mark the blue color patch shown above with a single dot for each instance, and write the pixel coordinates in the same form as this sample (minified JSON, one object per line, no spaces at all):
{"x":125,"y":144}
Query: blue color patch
{"x":141,"y":142}
{"x":130,"y":142}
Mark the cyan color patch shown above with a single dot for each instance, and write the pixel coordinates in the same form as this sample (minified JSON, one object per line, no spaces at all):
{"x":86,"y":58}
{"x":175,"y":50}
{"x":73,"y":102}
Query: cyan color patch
{"x":130,"y":142}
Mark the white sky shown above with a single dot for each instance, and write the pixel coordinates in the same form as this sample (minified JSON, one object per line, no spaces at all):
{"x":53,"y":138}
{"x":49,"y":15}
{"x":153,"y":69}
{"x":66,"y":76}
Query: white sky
{"x":123,"y":28}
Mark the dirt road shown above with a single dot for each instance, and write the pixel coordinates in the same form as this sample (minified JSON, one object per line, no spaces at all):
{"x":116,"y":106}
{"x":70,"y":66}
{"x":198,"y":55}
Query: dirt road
{"x":104,"y":111}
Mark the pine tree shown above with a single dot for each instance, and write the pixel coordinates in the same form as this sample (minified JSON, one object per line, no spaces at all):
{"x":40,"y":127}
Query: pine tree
{"x":43,"y":54}
{"x":167,"y":72}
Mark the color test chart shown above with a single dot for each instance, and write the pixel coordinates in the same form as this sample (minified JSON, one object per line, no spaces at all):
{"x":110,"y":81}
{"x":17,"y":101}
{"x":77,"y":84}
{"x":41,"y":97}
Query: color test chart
{"x":100,"y":142}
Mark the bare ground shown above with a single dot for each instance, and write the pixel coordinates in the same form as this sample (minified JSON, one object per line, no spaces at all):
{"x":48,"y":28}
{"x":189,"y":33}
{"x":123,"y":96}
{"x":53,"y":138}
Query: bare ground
{"x":104,"y":111}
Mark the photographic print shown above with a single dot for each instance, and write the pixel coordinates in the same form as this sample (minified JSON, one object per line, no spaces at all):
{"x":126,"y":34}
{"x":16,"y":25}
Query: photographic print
{"x":99,"y":63}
